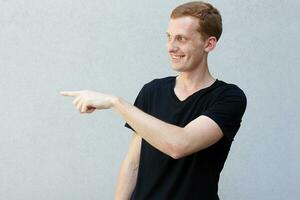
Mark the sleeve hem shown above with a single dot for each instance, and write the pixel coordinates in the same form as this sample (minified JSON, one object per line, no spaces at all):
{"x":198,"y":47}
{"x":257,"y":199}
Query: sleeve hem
{"x":225,"y":133}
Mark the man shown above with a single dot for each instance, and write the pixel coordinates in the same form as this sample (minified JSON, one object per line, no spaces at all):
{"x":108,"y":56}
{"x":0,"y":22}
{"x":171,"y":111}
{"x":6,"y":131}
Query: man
{"x":183,"y":125}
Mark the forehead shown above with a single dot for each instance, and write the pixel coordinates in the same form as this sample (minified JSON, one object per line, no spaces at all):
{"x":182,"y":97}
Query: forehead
{"x":186,"y":25}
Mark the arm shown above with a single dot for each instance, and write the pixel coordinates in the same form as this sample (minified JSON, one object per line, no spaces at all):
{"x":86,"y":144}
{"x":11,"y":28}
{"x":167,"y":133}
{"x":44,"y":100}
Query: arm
{"x":129,"y":170}
{"x":173,"y":140}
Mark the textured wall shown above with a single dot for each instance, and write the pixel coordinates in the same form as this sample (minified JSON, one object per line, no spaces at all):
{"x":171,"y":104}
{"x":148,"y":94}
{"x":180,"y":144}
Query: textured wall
{"x":49,"y":151}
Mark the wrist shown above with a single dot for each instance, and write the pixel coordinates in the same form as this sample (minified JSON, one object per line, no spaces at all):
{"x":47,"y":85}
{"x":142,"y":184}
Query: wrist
{"x":115,"y":101}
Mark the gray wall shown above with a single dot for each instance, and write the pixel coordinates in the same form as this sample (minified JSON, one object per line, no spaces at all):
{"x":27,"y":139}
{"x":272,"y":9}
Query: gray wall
{"x":50,"y":151}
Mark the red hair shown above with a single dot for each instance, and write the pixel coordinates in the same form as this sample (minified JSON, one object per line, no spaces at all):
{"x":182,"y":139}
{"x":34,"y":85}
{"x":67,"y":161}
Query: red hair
{"x":210,"y":20}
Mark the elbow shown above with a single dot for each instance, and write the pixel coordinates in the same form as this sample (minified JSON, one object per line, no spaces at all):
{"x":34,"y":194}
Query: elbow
{"x":176,"y":150}
{"x":176,"y":146}
{"x":176,"y":156}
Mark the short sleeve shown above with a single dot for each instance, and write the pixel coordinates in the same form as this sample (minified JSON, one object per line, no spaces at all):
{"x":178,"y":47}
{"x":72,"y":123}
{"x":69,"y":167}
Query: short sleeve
{"x":228,"y":111}
{"x":139,"y":103}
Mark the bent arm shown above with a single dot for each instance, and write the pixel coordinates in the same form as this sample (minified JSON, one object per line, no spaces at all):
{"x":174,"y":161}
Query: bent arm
{"x":173,"y":140}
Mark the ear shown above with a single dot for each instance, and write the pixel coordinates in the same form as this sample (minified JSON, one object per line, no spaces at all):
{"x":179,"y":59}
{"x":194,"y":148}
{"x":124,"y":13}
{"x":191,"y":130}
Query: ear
{"x":210,"y":44}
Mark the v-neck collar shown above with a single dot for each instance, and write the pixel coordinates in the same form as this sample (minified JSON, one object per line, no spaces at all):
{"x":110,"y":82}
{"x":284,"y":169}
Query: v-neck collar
{"x":173,"y":82}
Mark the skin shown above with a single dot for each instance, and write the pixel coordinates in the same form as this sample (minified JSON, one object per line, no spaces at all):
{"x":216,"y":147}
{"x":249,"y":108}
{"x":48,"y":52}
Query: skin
{"x":175,"y":141}
{"x":184,"y":39}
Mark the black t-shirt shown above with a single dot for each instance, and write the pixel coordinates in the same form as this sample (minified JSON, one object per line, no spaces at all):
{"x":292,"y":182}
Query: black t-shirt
{"x":196,"y":176}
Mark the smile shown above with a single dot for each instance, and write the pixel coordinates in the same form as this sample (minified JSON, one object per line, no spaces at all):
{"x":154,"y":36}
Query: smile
{"x":177,"y":56}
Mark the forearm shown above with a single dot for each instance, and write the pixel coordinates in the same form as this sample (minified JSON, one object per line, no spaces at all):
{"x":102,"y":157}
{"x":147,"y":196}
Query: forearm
{"x":126,"y":181}
{"x":166,"y":137}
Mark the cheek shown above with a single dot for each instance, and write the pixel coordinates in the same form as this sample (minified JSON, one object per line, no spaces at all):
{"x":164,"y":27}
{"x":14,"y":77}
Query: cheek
{"x":191,"y":49}
{"x":193,"y":52}
{"x":198,"y":51}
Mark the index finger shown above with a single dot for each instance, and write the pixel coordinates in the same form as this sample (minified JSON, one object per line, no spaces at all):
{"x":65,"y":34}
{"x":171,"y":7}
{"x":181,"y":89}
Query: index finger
{"x":69,"y":93}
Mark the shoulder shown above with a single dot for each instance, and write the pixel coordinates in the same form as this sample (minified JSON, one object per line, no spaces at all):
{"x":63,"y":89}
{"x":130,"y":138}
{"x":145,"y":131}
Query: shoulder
{"x":230,"y":90}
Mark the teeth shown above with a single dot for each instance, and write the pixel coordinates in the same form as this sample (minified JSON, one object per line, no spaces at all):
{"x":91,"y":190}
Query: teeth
{"x":177,"y":56}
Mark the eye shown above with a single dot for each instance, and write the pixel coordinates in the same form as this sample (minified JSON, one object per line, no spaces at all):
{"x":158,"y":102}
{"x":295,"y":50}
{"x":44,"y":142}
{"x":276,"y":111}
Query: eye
{"x":180,"y":38}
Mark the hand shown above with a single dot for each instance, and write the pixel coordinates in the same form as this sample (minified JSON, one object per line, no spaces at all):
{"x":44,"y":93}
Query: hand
{"x":87,"y":101}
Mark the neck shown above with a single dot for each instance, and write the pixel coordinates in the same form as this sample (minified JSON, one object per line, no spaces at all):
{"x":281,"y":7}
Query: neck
{"x":195,"y":79}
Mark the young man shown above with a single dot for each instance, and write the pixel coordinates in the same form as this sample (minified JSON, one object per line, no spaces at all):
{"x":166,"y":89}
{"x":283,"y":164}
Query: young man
{"x":183,"y":125}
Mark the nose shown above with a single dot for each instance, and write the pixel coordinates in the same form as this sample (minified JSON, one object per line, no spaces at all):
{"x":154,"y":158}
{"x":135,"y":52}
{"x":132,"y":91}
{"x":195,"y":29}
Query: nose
{"x":172,"y":46}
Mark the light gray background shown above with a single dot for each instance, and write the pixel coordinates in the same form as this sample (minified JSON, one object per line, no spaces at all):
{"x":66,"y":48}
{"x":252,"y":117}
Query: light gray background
{"x":50,"y":151}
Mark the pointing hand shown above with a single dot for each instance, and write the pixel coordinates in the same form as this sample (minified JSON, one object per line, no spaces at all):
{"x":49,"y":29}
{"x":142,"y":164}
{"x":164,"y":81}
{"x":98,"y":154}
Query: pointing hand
{"x":87,"y":101}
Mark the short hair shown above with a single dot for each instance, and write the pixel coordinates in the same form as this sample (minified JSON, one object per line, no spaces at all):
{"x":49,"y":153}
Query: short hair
{"x":210,"y":20}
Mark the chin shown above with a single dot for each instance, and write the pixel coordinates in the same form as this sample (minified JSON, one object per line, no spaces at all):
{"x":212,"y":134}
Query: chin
{"x":178,"y":68}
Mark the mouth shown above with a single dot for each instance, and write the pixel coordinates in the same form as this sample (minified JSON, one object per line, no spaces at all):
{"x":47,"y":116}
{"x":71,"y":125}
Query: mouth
{"x":177,"y":57}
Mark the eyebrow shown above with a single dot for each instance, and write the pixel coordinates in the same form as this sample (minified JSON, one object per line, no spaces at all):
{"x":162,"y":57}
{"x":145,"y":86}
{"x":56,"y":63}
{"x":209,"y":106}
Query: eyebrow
{"x":178,"y":35}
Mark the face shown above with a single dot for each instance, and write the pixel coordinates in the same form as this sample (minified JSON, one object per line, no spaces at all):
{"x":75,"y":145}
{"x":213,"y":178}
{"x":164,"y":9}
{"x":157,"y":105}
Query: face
{"x":185,"y":45}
